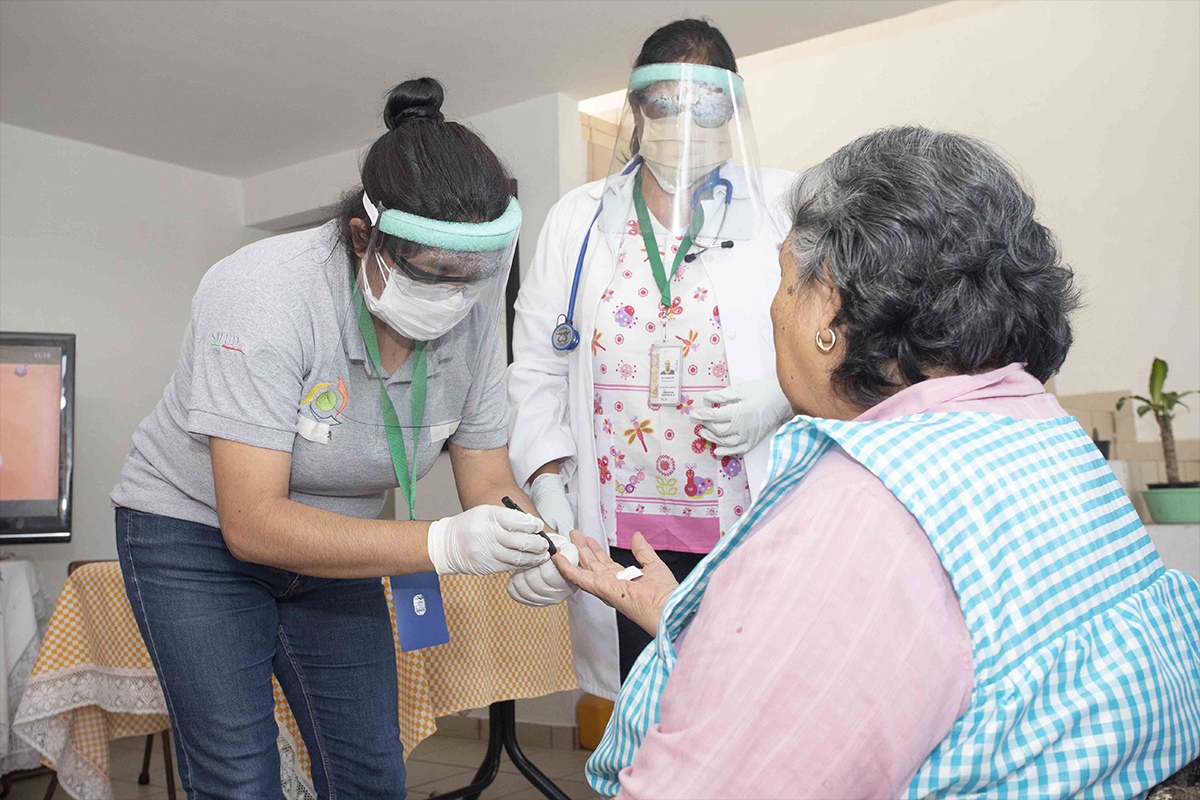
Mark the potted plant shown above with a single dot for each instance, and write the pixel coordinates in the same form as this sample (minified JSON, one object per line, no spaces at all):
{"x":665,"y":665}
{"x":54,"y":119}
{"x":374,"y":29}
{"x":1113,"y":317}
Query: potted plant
{"x":1173,"y":501}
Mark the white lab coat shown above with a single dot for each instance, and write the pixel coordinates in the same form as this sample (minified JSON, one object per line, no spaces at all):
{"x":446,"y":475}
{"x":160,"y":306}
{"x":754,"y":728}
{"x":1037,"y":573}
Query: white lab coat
{"x":550,"y":392}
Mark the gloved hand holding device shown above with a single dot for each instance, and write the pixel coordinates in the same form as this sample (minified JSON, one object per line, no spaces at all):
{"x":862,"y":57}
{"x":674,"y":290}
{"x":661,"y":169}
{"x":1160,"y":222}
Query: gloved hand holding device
{"x":487,"y":540}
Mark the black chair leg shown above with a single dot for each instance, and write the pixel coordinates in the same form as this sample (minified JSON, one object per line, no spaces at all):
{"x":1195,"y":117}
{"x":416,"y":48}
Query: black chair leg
{"x":166,"y":743}
{"x":144,"y":776}
{"x":52,"y":787}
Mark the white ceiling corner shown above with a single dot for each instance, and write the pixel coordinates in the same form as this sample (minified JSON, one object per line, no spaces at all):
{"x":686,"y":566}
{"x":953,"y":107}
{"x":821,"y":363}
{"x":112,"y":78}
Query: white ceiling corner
{"x":240,"y":87}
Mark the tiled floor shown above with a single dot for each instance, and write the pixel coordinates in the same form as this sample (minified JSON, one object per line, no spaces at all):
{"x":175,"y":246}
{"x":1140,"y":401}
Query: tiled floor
{"x":438,"y":764}
{"x":428,"y":763}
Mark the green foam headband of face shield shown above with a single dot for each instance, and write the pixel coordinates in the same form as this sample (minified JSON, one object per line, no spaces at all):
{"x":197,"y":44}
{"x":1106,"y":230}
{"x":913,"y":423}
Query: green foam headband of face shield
{"x":642,"y":77}
{"x":474,"y":237}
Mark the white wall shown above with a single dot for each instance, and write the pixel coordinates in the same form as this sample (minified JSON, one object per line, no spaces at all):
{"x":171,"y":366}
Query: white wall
{"x":109,"y":247}
{"x":300,"y":194}
{"x":1098,"y":103}
{"x":537,"y":143}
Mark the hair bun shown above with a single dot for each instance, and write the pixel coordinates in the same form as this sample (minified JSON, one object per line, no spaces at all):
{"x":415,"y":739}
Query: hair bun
{"x":420,"y":98}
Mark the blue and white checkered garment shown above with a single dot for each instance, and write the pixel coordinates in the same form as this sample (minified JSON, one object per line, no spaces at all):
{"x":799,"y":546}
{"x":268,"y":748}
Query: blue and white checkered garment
{"x":1086,"y":650}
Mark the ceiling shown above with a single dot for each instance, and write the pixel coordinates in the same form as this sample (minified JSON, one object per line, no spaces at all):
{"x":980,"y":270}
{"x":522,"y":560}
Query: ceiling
{"x":240,"y":87}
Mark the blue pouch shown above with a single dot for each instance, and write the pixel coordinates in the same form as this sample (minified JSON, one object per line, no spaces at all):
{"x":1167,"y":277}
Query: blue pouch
{"x":420,"y":615}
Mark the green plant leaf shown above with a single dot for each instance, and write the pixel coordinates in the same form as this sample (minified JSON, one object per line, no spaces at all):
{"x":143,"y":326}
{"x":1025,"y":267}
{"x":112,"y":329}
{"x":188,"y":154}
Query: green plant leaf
{"x":1158,"y":376}
{"x":1137,"y":397}
{"x":1172,"y":399}
{"x":1142,"y":411}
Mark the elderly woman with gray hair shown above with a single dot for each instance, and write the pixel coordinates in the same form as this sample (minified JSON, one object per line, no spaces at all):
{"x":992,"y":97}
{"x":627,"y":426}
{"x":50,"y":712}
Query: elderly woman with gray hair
{"x":942,"y":590}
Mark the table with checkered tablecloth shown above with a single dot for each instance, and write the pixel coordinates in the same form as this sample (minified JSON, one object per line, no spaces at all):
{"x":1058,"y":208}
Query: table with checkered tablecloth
{"x":93,"y":680}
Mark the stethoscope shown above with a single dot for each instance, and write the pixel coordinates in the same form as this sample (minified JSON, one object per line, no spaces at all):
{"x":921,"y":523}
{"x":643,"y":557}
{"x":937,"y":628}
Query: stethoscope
{"x":564,"y":336}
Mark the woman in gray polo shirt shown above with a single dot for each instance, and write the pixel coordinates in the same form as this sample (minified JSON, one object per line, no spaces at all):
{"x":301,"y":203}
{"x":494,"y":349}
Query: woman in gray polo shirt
{"x":319,"y":370}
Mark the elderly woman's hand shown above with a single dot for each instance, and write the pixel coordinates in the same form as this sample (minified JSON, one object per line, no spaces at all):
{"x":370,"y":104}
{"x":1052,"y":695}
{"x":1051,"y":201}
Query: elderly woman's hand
{"x":641,"y":599}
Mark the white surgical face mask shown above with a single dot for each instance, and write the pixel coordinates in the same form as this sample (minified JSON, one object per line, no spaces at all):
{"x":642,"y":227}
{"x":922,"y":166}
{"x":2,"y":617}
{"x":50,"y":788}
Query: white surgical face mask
{"x":420,"y":311}
{"x":661,"y":145}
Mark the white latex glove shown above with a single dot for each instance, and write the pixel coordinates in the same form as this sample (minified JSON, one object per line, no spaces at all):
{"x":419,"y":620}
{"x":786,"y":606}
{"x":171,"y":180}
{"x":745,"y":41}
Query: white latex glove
{"x":543,"y":585}
{"x":549,"y":496}
{"x":486,"y":540}
{"x":750,"y":411}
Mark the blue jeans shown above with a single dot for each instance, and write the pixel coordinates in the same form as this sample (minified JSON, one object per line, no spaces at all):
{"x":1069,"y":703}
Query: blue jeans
{"x":218,"y":628}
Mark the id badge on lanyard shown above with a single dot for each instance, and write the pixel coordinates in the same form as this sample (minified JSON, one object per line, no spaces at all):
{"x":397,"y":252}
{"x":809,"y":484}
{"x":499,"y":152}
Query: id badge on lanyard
{"x":666,"y":359}
{"x":666,"y":370}
{"x":417,"y":599}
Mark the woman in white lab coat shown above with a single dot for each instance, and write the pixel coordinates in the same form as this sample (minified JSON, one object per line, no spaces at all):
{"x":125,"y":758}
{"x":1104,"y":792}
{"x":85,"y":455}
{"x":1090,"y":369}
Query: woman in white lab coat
{"x":643,"y":388}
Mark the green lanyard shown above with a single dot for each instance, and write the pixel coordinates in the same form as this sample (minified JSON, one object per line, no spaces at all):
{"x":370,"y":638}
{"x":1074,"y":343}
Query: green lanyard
{"x":391,"y":420}
{"x":656,"y":264}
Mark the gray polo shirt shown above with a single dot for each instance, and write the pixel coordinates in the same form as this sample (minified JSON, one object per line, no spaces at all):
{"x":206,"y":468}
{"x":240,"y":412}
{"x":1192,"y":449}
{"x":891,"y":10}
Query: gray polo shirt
{"x":264,"y":348}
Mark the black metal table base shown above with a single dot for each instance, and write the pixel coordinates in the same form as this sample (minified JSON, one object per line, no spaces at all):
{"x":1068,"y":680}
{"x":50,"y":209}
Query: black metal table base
{"x":502,"y":733}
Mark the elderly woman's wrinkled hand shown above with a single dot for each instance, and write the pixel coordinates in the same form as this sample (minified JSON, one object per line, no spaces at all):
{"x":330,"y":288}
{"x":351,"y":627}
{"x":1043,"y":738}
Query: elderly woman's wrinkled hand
{"x":641,"y":599}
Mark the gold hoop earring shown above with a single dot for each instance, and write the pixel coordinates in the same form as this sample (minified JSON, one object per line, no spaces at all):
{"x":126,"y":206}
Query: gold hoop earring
{"x":825,"y":348}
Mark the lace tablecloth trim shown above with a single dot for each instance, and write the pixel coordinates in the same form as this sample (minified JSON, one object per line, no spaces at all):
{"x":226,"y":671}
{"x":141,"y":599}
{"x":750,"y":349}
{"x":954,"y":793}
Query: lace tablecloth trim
{"x":114,"y":690}
{"x":77,"y":776}
{"x":18,"y":754}
{"x":44,"y":717}
{"x":296,"y":785}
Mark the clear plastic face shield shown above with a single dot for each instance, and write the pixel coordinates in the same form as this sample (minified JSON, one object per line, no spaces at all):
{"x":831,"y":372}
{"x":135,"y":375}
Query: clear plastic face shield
{"x":423,"y":317}
{"x":686,"y":141}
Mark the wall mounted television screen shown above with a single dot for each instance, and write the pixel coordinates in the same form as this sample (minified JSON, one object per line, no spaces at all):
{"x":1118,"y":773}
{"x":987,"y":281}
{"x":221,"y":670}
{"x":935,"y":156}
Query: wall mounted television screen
{"x":37,"y":421}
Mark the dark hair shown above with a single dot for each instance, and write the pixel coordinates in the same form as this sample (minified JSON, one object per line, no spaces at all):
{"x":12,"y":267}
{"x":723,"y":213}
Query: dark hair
{"x":426,"y":166}
{"x":695,"y":41}
{"x":937,"y":257}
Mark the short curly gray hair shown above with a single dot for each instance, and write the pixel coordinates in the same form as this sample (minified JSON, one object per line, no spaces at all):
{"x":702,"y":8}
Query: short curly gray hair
{"x":940,"y":264}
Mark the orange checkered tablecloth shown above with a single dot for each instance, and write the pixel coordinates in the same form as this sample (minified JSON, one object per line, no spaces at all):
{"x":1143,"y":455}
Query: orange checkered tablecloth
{"x":93,"y":680}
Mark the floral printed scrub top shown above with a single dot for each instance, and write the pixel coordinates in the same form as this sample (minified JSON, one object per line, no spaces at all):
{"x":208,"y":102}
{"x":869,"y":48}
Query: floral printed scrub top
{"x":657,"y":475}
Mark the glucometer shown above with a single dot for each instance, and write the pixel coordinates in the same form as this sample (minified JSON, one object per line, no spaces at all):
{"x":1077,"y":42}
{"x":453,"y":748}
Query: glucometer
{"x":508,"y":503}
